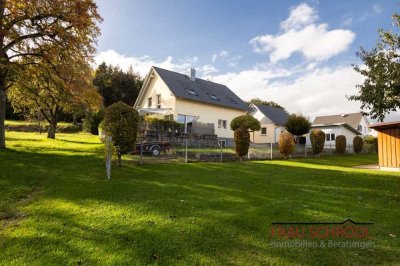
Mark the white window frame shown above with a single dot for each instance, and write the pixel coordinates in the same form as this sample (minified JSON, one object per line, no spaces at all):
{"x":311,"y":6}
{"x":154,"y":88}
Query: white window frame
{"x":222,"y":141}
{"x":159,"y":100}
{"x":222,"y":124}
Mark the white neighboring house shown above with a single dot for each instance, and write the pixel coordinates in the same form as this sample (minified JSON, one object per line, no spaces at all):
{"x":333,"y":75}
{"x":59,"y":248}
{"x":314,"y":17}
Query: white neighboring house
{"x":272,"y":122}
{"x":348,"y":125}
{"x":190,"y":99}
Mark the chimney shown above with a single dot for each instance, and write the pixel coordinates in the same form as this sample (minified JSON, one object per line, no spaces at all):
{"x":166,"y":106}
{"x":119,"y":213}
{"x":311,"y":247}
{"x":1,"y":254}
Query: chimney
{"x":192,"y":74}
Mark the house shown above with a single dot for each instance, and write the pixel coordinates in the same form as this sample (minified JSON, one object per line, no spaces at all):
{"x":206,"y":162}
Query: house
{"x":190,"y":99}
{"x":388,"y":145}
{"x":272,"y":120}
{"x":348,"y":125}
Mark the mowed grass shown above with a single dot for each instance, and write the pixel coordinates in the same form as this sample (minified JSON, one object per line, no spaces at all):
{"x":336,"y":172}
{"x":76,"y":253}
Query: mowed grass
{"x":57,"y":208}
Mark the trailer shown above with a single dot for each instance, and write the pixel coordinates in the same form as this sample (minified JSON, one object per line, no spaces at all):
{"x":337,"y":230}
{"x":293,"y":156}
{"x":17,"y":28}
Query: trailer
{"x":152,"y":148}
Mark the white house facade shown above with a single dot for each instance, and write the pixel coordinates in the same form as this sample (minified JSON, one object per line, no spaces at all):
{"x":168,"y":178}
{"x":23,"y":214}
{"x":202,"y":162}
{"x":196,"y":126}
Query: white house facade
{"x":348,"y":125}
{"x":272,"y":122}
{"x":190,"y":99}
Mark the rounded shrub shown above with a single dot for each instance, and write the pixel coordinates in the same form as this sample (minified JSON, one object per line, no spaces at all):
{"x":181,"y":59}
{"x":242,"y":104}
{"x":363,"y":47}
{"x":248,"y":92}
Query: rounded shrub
{"x":121,"y":123}
{"x":286,"y":144}
{"x":317,"y":138}
{"x":340,"y":144}
{"x":358,"y":144}
{"x":242,"y":125}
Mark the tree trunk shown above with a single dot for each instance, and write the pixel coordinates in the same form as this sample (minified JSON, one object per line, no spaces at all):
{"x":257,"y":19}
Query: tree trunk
{"x":3,"y":97}
{"x":74,"y":119}
{"x":119,"y":164}
{"x":51,"y":134}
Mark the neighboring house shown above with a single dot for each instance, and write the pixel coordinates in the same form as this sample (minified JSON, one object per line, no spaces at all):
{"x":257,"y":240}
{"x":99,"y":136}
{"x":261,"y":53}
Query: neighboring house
{"x":272,"y":122}
{"x":348,"y":125}
{"x":188,"y":99}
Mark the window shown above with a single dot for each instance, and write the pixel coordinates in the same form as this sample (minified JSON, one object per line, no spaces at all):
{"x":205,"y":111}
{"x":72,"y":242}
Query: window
{"x":222,"y":143}
{"x":330,"y":137}
{"x":222,"y":123}
{"x":186,"y":119}
{"x":214,"y":97}
{"x":359,"y":128}
{"x":263,"y":131}
{"x":191,"y":92}
{"x":149,"y":102}
{"x":158,"y":100}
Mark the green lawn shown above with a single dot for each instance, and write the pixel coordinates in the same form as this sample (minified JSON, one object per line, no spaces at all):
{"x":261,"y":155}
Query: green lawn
{"x":57,"y":208}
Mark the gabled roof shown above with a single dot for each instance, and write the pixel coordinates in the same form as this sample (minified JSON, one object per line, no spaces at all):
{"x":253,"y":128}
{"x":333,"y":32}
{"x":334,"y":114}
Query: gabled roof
{"x":352,"y":119}
{"x":277,"y":115}
{"x":352,"y":129}
{"x":200,"y":90}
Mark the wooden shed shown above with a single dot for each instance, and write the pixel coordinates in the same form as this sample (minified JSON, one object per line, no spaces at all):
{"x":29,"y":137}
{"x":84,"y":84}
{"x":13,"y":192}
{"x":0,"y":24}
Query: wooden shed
{"x":388,"y":145}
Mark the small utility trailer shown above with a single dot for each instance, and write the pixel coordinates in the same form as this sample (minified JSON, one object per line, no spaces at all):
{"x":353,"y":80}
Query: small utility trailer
{"x":152,"y":148}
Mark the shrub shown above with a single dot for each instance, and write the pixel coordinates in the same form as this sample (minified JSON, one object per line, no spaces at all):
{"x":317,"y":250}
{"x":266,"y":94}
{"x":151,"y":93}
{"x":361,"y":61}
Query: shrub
{"x":298,"y":125}
{"x":340,"y":143}
{"x":92,"y":121}
{"x":286,"y":144}
{"x":242,"y":142}
{"x":358,"y":144}
{"x":121,"y":123}
{"x":241,"y":125}
{"x":317,"y":138}
{"x":371,"y":143}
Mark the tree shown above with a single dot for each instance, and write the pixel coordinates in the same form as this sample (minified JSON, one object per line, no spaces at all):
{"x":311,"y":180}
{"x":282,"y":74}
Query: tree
{"x":317,"y":138}
{"x":267,"y":103}
{"x":121,"y":123}
{"x":116,"y":85}
{"x":242,"y":125}
{"x":35,"y":31}
{"x":40,"y":89}
{"x":286,"y":144}
{"x":298,"y":125}
{"x":380,"y":92}
{"x":340,"y":144}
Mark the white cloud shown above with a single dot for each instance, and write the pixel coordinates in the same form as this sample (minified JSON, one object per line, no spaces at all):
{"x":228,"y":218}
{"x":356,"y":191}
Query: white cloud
{"x":319,"y":92}
{"x":377,"y":9}
{"x":347,"y":22}
{"x":143,"y":64}
{"x":301,"y":34}
{"x":220,"y":55}
{"x":300,"y":16}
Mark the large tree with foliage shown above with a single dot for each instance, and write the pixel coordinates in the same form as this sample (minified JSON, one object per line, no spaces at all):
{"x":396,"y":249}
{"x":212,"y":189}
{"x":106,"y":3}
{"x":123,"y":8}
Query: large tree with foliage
{"x":267,"y":103}
{"x":380,"y":92}
{"x":41,"y":89}
{"x":35,"y":31}
{"x":116,"y":85}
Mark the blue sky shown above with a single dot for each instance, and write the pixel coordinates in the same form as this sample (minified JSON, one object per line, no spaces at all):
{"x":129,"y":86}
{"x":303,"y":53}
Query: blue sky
{"x":298,"y":53}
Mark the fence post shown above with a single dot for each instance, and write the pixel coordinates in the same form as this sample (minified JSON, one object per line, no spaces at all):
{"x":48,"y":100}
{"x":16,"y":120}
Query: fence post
{"x":220,"y":144}
{"x":186,"y":149}
{"x":108,"y":156}
{"x":305,"y":150}
{"x":330,"y":148}
{"x":271,"y":150}
{"x":141,"y":151}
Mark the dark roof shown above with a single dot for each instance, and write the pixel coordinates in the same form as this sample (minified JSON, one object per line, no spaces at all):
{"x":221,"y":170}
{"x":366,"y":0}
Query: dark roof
{"x":378,"y":126}
{"x":200,"y":90}
{"x":352,"y":119}
{"x":277,"y":115}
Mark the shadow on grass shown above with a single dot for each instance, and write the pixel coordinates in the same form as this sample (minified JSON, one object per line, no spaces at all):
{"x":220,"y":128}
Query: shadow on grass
{"x":191,"y":214}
